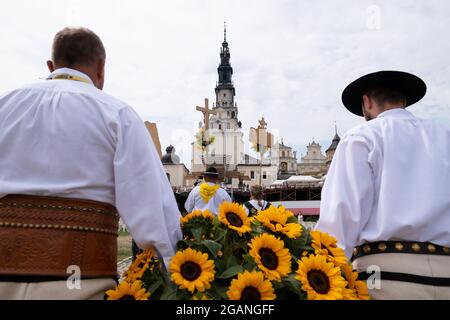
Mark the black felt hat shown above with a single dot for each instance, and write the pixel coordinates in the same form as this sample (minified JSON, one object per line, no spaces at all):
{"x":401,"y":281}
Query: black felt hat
{"x":211,"y":172}
{"x":410,"y":85}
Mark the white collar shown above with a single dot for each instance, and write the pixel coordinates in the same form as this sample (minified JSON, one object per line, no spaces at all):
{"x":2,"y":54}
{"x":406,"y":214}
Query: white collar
{"x":397,"y":113}
{"x":71,"y":72}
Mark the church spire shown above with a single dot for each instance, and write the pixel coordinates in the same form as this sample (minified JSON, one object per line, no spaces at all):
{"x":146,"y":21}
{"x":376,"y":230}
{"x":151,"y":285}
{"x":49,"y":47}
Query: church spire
{"x":225,"y":70}
{"x":225,"y":89}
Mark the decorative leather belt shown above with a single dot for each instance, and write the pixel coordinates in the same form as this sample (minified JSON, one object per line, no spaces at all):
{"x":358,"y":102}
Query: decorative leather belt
{"x":40,"y":237}
{"x":399,"y":247}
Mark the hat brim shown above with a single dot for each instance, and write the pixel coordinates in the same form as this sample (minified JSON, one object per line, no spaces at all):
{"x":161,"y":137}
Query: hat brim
{"x":211,"y":174}
{"x":410,"y":85}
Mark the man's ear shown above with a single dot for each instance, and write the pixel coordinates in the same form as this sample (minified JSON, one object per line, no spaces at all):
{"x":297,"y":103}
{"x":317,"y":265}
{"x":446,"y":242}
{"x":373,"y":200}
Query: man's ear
{"x":50,"y":66}
{"x":366,"y":102}
{"x":100,"y":73}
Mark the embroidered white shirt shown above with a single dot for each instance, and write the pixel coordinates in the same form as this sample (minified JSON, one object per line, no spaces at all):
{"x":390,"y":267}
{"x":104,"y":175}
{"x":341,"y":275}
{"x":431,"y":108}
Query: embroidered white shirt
{"x":195,"y":201}
{"x":66,"y":138}
{"x":389,"y":180}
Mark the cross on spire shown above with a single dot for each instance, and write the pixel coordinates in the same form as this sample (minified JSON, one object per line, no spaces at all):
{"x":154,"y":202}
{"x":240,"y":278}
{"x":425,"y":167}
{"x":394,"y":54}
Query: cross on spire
{"x":224,"y":31}
{"x":206,"y":113}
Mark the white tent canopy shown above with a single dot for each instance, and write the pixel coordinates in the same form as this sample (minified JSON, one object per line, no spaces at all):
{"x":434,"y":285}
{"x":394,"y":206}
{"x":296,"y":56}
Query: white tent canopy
{"x":278,"y":182}
{"x":299,"y":179}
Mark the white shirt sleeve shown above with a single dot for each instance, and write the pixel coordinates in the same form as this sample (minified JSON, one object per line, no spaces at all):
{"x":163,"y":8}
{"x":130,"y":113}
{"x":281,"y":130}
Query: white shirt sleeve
{"x":348,"y":193}
{"x":144,"y":197}
{"x":224,"y":195}
{"x":190,"y":202}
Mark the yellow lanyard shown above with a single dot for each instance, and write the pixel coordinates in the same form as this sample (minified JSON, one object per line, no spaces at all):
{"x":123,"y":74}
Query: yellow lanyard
{"x":69,"y":77}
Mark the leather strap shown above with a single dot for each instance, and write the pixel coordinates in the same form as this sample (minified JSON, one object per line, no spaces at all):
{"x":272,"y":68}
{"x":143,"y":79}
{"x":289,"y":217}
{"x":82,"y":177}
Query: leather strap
{"x":406,"y":277}
{"x":43,"y":236}
{"x":409,"y":247}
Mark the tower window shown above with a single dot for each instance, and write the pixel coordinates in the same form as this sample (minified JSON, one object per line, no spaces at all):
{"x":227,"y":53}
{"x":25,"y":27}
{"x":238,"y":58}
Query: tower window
{"x":252,"y":174}
{"x":224,"y":95}
{"x":220,"y":127}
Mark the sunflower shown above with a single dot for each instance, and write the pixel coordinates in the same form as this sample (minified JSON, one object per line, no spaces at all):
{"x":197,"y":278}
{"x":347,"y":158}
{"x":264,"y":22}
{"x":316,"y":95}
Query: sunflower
{"x":200,"y":297}
{"x":271,"y":256}
{"x":349,"y":293}
{"x":276,"y":219}
{"x":234,"y":217}
{"x":320,"y":279}
{"x":141,"y":263}
{"x":362,"y":293}
{"x":324,"y":244}
{"x":192,"y":270}
{"x":206,"y":214}
{"x":128,"y":291}
{"x":251,"y":286}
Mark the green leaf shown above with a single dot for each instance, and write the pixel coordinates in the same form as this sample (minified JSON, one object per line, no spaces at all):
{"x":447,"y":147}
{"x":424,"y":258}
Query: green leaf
{"x":293,"y":284}
{"x":218,"y":292}
{"x":220,"y":234}
{"x":231,"y":260}
{"x":293,"y":219}
{"x":154,"y":286}
{"x":212,"y":246}
{"x":197,"y":233}
{"x":170,"y":293}
{"x":230,"y":272}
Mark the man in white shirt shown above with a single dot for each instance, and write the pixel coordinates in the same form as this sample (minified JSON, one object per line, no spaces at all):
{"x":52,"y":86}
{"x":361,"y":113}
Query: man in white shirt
{"x":207,"y":195}
{"x":387,"y":190}
{"x":64,"y":139}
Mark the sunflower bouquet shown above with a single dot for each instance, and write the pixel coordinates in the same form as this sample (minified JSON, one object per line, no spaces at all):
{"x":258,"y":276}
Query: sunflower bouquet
{"x":232,"y":256}
{"x":204,"y":139}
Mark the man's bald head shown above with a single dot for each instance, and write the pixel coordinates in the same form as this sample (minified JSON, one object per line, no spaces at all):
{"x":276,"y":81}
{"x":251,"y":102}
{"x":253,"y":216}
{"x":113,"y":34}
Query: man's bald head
{"x":80,"y":49}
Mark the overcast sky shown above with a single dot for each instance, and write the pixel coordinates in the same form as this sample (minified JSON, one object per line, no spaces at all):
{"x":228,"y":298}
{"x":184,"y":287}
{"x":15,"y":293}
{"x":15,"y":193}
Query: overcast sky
{"x":291,"y":59}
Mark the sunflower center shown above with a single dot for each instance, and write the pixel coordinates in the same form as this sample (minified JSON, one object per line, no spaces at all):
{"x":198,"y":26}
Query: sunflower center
{"x":127,"y":297}
{"x":250,"y":293}
{"x":268,"y":258}
{"x":319,"y":281}
{"x":234,"y":219}
{"x":190,"y":270}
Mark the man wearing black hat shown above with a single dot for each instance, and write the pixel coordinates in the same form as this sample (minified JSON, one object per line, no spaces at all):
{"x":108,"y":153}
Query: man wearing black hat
{"x":208,"y":195}
{"x":386,"y":195}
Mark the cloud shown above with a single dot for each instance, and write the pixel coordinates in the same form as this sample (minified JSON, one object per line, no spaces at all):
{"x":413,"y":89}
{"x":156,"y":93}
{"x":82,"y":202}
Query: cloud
{"x":291,"y":59}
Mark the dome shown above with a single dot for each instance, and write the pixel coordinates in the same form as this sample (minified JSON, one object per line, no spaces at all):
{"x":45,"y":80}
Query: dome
{"x":170,"y":157}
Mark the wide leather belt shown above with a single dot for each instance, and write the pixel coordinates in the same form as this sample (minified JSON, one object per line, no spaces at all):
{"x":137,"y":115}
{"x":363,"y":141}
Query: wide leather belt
{"x":41,"y":237}
{"x":412,"y":247}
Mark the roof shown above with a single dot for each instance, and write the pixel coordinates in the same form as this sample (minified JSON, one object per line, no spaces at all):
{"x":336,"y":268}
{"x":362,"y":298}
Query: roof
{"x":334,"y":143}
